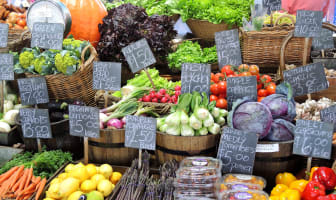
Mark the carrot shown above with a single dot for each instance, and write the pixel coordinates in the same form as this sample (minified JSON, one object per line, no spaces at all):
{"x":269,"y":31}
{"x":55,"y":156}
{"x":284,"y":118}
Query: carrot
{"x":40,"y":189}
{"x":23,"y":181}
{"x":30,"y":175}
{"x":29,"y":189}
{"x":17,"y":176}
{"x":9,"y":173}
{"x":17,"y":184}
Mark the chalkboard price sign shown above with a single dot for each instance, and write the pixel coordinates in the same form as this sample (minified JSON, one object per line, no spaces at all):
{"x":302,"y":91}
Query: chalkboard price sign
{"x":239,"y":87}
{"x":47,"y":35}
{"x":3,"y":35}
{"x":139,"y":55}
{"x":325,"y":41}
{"x":272,"y":5}
{"x":6,"y":67}
{"x":308,"y":23}
{"x":195,"y":77}
{"x":140,"y":132}
{"x":329,"y":115}
{"x":237,"y":151}
{"x":33,"y":90}
{"x":106,"y":76}
{"x":84,"y":121}
{"x":313,"y":139}
{"x":35,"y":123}
{"x":228,"y":48}
{"x":307,"y":79}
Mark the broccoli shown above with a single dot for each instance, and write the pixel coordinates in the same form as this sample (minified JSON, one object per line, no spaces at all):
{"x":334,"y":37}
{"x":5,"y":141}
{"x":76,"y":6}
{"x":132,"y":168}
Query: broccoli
{"x":26,"y":58}
{"x":72,"y":42}
{"x":38,"y":63}
{"x":66,"y":64}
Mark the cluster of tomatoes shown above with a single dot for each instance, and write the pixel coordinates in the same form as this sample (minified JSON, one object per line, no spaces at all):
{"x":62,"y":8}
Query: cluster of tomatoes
{"x":218,"y":82}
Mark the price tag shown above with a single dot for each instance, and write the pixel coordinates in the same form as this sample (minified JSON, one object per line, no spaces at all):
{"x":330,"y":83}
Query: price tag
{"x":106,"y":76}
{"x":195,"y":77}
{"x":6,"y":67}
{"x":140,"y":132}
{"x":329,"y":115}
{"x":272,"y":5}
{"x":84,"y":121}
{"x":228,"y":48}
{"x":139,"y":55}
{"x":3,"y":35}
{"x":324,"y":41}
{"x":307,"y":79}
{"x":33,"y":90}
{"x":308,"y":23}
{"x":239,"y":87}
{"x":47,"y":35}
{"x":313,"y":139}
{"x":237,"y":151}
{"x":35,"y":123}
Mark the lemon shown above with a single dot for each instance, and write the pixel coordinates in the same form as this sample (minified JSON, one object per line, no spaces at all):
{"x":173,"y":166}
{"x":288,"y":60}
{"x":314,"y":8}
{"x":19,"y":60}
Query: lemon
{"x":55,"y":180}
{"x":115,"y":178}
{"x":91,"y":169}
{"x":69,"y":168}
{"x":97,"y":168}
{"x":79,"y":173}
{"x":106,"y":170}
{"x":95,"y":195}
{"x":105,"y":187}
{"x":53,"y":191}
{"x":75,"y":195}
{"x":88,"y":186}
{"x":97,"y":178}
{"x":68,"y":186}
{"x":48,"y":198}
{"x":79,"y":165}
{"x":63,"y":176}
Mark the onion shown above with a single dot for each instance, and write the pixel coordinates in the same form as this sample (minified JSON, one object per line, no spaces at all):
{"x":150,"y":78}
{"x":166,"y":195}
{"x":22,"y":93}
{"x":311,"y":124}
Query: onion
{"x":115,"y":123}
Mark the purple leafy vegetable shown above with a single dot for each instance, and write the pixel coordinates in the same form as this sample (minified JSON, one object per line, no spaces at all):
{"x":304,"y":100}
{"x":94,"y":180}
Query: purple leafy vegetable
{"x":281,"y":130}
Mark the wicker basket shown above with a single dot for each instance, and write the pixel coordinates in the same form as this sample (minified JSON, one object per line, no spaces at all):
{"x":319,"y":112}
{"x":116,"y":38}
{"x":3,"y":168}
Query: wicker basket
{"x":17,"y":40}
{"x":77,"y":86}
{"x":263,"y":47}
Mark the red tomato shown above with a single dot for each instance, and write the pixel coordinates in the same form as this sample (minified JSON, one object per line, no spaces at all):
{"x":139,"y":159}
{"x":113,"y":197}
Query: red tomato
{"x":221,"y":103}
{"x":254,"y":69}
{"x":222,"y":87}
{"x":214,"y":89}
{"x":232,"y":75}
{"x":260,"y":98}
{"x":265,"y":79}
{"x":222,"y":96}
{"x":227,"y":70}
{"x":243,"y":68}
{"x":220,"y":76}
{"x":21,"y":22}
{"x":271,"y":88}
{"x":258,"y":77}
{"x":262,"y":93}
{"x":213,"y":97}
{"x":245,"y":74}
{"x":214,"y":78}
{"x":259,"y":86}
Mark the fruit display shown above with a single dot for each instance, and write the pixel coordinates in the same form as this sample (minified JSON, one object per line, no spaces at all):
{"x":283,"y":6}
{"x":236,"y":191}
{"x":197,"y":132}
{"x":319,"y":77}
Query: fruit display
{"x":12,"y":15}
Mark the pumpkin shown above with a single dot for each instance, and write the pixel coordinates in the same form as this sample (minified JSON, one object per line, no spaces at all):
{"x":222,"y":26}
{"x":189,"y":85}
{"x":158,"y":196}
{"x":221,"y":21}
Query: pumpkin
{"x":86,"y":15}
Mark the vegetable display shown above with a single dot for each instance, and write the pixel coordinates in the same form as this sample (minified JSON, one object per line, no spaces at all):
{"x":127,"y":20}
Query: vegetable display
{"x":310,"y":109}
{"x":12,"y":15}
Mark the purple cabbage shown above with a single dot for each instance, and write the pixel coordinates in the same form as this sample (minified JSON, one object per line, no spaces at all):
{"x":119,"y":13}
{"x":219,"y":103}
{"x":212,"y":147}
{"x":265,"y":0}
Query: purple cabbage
{"x":281,"y":130}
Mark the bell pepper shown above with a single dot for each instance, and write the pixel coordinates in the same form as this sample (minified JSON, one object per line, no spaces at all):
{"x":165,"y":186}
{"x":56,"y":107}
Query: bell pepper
{"x":312,"y":172}
{"x":326,"y":176}
{"x":313,"y":190}
{"x":285,"y":178}
{"x":298,"y":185}
{"x":327,"y":197}
{"x":278,"y":189}
{"x":290,"y":194}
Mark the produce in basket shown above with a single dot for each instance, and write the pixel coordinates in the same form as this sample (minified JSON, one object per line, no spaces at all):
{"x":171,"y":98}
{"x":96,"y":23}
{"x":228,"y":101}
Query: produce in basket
{"x":275,"y":15}
{"x":310,"y":109}
{"x":14,"y":16}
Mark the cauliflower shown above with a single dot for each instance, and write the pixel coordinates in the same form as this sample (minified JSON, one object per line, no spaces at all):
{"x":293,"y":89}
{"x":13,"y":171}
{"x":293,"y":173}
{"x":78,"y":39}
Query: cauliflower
{"x":38,"y":63}
{"x":26,"y":58}
{"x":72,"y":42}
{"x":66,"y":64}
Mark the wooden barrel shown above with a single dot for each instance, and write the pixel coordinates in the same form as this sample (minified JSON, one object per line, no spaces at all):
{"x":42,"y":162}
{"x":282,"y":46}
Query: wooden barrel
{"x":275,"y":157}
{"x":109,"y":148}
{"x":169,"y":147}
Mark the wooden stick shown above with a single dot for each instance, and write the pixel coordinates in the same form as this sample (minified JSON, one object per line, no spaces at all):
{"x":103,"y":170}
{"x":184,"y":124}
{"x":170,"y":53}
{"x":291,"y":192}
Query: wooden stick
{"x":39,"y":146}
{"x":150,"y":78}
{"x":309,"y":163}
{"x":140,"y":158}
{"x":2,"y":96}
{"x":86,"y":150}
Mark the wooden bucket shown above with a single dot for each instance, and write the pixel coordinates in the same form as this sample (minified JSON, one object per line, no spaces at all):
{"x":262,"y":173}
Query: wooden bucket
{"x":109,"y":148}
{"x":169,"y":147}
{"x":275,"y":157}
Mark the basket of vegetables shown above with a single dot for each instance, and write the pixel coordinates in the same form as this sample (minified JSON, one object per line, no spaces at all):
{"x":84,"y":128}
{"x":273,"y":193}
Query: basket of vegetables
{"x":68,"y":72}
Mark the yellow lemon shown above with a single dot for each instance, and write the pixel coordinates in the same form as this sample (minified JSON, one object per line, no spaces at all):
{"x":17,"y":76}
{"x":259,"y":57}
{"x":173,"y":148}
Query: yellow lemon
{"x":105,"y":187}
{"x":88,"y":186}
{"x":95,"y":195}
{"x":53,"y":191}
{"x":48,"y":198}
{"x":79,"y":173}
{"x":69,"y":168}
{"x":55,"y":180}
{"x":97,"y":168}
{"x":79,"y":165}
{"x":75,"y":195}
{"x":91,"y":169}
{"x":97,"y":178}
{"x":115,"y":178}
{"x":63,"y":176}
{"x":68,"y":186}
{"x":106,"y":170}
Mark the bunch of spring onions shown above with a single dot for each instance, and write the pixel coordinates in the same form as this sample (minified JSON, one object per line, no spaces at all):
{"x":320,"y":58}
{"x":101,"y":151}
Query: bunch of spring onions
{"x":193,"y":116}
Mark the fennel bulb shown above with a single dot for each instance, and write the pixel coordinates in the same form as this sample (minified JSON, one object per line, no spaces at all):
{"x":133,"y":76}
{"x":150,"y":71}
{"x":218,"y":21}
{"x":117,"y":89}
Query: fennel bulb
{"x":214,"y":129}
{"x":186,"y":130}
{"x":194,"y":122}
{"x":209,"y":121}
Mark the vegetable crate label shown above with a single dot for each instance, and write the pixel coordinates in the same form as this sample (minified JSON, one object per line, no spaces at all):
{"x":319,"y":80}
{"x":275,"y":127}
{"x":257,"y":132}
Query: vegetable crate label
{"x":106,"y":76}
{"x":47,"y":35}
{"x":228,"y":48}
{"x":140,"y":132}
{"x":195,"y":77}
{"x":33,"y":91}
{"x":35,"y":123}
{"x":272,"y":5}
{"x":308,"y":23}
{"x":3,"y":35}
{"x":313,"y":138}
{"x":6,"y":67}
{"x":84,"y":121}
{"x":237,"y":151}
{"x":307,"y":79}
{"x":329,"y":115}
{"x":239,"y":87}
{"x":139,"y":55}
{"x":325,"y":41}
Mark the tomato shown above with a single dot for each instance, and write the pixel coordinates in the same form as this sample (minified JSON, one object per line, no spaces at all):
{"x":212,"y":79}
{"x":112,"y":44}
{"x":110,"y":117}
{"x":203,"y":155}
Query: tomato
{"x":260,"y":98}
{"x":271,"y":88}
{"x":214,"y":78}
{"x":254,"y":69}
{"x":213,"y":97}
{"x":227,"y":70}
{"x":262,"y":93}
{"x":221,"y":103}
{"x":214,"y":89}
{"x":243,"y":68}
{"x":245,"y":74}
{"x":222,"y":96}
{"x":21,"y":22}
{"x":232,"y":75}
{"x":222,"y":87}
{"x":220,"y":76}
{"x":258,"y":77}
{"x":265,"y":79}
{"x":260,"y":86}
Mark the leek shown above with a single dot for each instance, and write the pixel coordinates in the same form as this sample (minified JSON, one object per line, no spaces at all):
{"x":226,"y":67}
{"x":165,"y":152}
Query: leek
{"x":128,"y":108}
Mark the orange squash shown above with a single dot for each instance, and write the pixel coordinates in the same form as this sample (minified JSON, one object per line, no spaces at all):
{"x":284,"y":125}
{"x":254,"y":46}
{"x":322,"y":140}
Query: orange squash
{"x":86,"y":15}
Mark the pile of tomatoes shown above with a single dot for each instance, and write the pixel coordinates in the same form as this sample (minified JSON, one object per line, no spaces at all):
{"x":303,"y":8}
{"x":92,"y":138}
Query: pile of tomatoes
{"x":218,"y":82}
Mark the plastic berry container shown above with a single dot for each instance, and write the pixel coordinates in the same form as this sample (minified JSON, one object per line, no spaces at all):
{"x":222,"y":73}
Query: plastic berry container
{"x":199,"y":161}
{"x":242,"y":178}
{"x":221,"y":186}
{"x":243,"y":195}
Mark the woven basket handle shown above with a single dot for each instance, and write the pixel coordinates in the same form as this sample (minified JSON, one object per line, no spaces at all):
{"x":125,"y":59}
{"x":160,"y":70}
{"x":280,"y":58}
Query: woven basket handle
{"x":23,"y":34}
{"x":93,"y":55}
{"x":284,"y":16}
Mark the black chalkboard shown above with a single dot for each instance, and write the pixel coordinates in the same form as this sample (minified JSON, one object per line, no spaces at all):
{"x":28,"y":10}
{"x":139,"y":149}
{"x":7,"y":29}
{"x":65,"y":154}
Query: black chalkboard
{"x":239,"y":87}
{"x":195,"y":77}
{"x":313,"y":139}
{"x":329,"y":115}
{"x":308,"y":23}
{"x":237,"y":151}
{"x":139,"y":55}
{"x":3,"y":34}
{"x":6,"y":66}
{"x":307,"y":79}
{"x":272,"y":5}
{"x":228,"y":48}
{"x":33,"y":90}
{"x":140,"y":132}
{"x":47,"y":35}
{"x":35,"y":123}
{"x":325,"y":41}
{"x":84,"y":121}
{"x":106,"y":76}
